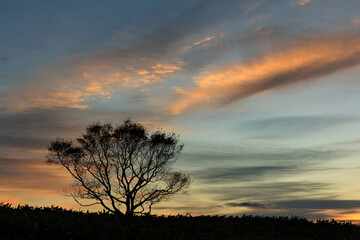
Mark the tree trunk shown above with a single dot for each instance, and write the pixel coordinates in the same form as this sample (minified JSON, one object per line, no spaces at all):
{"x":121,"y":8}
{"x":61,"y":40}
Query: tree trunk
{"x":118,"y":212}
{"x":129,"y":212}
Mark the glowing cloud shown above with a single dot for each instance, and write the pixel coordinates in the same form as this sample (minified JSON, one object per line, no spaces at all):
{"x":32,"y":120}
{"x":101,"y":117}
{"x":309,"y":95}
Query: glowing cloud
{"x":88,"y":81}
{"x":303,"y":2}
{"x":48,"y":99}
{"x":304,"y":61}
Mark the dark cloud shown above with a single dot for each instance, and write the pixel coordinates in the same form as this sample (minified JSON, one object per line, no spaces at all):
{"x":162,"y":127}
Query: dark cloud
{"x":246,"y":204}
{"x":261,"y":153}
{"x":239,"y":173}
{"x":309,"y":208}
{"x":38,"y":121}
{"x":34,"y":129}
{"x":265,"y":191}
{"x":24,"y":142}
{"x":268,"y":164}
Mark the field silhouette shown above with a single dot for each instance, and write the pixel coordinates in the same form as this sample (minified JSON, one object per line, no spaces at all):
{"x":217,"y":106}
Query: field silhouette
{"x":26,"y":222}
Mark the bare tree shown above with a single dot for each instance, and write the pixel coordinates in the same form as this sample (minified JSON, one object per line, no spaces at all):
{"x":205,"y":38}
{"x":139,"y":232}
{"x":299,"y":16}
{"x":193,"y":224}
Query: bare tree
{"x":125,"y":169}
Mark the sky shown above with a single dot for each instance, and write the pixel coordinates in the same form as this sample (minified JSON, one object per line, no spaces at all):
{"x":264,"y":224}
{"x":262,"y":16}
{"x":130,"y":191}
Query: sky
{"x":264,"y":94}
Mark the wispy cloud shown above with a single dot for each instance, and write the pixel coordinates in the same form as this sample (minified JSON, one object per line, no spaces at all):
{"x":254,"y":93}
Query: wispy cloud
{"x":355,"y":21}
{"x":251,"y":6}
{"x":202,"y":41}
{"x":214,"y":153}
{"x":50,"y":98}
{"x":144,"y":72}
{"x":292,"y":126}
{"x":89,"y":80}
{"x":303,"y":2}
{"x":237,"y":174}
{"x":305,"y":60}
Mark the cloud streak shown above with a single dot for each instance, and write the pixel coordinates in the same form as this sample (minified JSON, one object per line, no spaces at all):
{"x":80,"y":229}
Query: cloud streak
{"x":292,"y":126}
{"x":202,"y":41}
{"x":303,"y":2}
{"x":246,"y":204}
{"x":251,"y":6}
{"x":233,"y":174}
{"x":304,"y":61}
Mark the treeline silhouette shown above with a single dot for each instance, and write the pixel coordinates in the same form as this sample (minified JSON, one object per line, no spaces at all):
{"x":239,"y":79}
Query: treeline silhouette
{"x":26,"y":222}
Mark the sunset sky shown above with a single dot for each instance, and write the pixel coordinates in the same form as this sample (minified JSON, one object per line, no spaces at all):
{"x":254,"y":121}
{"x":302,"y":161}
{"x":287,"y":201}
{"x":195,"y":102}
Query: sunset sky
{"x":265,"y":95}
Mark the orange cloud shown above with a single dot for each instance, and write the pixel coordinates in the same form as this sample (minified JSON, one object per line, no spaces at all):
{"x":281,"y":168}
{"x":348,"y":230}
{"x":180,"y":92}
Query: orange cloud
{"x":103,"y":82}
{"x":91,"y":80}
{"x":303,"y":61}
{"x":165,"y":68}
{"x":303,"y":2}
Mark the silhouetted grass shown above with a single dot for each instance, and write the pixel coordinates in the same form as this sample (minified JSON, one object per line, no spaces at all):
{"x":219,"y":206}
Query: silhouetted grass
{"x":25,"y":222}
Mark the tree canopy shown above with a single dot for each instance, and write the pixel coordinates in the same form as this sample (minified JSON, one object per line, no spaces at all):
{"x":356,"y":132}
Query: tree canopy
{"x":126,"y":169}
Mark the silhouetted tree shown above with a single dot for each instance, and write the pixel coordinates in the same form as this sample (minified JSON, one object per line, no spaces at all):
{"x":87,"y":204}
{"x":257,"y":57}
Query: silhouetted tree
{"x":125,"y":169}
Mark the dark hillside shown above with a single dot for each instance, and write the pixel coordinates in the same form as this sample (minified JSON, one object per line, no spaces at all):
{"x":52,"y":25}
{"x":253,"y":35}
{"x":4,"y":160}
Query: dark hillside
{"x":25,"y":222}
